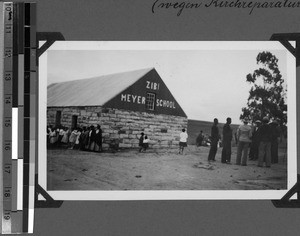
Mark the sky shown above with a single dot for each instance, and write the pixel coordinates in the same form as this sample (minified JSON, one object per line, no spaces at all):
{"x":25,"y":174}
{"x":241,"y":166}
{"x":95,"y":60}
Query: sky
{"x":206,"y":83}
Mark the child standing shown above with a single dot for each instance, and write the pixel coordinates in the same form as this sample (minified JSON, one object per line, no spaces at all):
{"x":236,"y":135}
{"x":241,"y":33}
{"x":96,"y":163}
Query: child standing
{"x":145,"y":143}
{"x":182,"y":141}
{"x":141,"y":140}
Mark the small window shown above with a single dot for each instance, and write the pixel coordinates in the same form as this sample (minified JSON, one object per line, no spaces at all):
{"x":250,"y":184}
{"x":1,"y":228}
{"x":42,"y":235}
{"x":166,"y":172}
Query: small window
{"x":150,"y":101}
{"x":74,"y":122}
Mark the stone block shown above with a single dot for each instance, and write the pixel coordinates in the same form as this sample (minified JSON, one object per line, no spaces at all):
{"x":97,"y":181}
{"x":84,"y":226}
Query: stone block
{"x":120,"y":124}
{"x":127,"y":141}
{"x":165,"y":143}
{"x":104,"y":119}
{"x":83,"y":112}
{"x":136,"y":118}
{"x":105,"y":135}
{"x":148,"y":130}
{"x":108,"y":123}
{"x":133,"y":136}
{"x":156,"y":137}
{"x":137,"y":129}
{"x":117,"y":112}
{"x":167,"y":138}
{"x":125,"y":128}
{"x":121,"y":116}
{"x":136,"y":132}
{"x":153,"y":142}
{"x":134,"y":141}
{"x":124,"y":145}
{"x":121,"y":132}
{"x":112,"y":115}
{"x":156,"y":146}
{"x":105,"y":145}
{"x":114,"y":136}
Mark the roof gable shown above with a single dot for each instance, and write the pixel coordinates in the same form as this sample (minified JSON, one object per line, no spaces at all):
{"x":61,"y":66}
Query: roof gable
{"x":134,"y":97}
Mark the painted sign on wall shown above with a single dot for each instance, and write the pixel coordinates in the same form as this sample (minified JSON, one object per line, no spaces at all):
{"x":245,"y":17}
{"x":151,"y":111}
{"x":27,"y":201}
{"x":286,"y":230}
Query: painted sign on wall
{"x":133,"y":98}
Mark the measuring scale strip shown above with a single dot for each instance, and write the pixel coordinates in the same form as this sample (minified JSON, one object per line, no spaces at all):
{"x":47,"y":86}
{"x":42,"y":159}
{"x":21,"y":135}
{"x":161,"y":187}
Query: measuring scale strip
{"x":29,"y":115}
{"x":7,"y":118}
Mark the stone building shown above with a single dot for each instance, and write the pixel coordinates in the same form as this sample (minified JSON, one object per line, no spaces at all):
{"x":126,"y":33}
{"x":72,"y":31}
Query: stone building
{"x":124,"y":104}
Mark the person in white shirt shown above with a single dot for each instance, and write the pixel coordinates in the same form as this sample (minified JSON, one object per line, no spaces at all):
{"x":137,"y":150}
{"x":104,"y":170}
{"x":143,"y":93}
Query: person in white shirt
{"x":77,"y":141}
{"x":244,"y":135}
{"x":145,"y":143}
{"x":182,"y":141}
{"x":72,"y":138}
{"x":53,"y":137}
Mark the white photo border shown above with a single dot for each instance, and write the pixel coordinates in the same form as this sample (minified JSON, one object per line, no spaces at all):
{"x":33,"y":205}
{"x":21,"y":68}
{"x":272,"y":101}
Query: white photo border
{"x":169,"y":194}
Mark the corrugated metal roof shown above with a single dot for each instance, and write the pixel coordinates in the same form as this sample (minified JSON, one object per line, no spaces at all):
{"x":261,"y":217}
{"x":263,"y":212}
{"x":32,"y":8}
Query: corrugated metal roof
{"x":91,"y":92}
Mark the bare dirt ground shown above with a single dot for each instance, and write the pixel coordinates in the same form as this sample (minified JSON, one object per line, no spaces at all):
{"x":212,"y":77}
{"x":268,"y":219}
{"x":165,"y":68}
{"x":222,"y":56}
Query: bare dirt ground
{"x":159,"y":170}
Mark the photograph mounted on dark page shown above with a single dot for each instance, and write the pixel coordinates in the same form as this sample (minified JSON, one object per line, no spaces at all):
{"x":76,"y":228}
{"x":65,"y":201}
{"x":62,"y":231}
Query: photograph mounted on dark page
{"x":167,"y":120}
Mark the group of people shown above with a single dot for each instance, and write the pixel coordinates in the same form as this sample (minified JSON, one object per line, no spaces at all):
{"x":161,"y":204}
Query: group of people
{"x":144,"y":141}
{"x":85,"y":138}
{"x":262,"y":139}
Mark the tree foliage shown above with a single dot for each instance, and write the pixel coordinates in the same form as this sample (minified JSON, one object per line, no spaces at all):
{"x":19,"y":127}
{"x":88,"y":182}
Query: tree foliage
{"x":267,"y":94}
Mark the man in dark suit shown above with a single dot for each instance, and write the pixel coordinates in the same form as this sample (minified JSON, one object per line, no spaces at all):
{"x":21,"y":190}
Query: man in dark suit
{"x":265,"y":138}
{"x":253,"y":154}
{"x":227,"y":138}
{"x":214,"y":141}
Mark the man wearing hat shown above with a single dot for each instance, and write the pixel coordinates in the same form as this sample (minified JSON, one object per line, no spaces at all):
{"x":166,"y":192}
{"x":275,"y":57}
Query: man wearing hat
{"x":253,"y":154}
{"x":265,"y":137}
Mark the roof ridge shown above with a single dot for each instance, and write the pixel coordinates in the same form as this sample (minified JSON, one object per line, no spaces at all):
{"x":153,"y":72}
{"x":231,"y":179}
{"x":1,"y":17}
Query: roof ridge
{"x":95,"y":90}
{"x":102,"y":76}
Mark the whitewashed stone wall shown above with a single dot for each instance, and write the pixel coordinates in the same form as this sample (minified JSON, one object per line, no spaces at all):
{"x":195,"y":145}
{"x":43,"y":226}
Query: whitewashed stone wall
{"x":126,"y":126}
